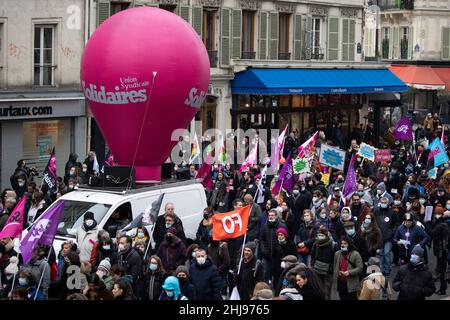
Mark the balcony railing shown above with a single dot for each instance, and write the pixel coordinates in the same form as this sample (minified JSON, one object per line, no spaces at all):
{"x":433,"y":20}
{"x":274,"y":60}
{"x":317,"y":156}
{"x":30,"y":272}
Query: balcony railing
{"x":385,"y":48}
{"x":317,"y":53}
{"x":248,"y":55}
{"x":212,"y":58}
{"x":396,"y":4}
{"x":404,"y":49}
{"x":284,"y":56}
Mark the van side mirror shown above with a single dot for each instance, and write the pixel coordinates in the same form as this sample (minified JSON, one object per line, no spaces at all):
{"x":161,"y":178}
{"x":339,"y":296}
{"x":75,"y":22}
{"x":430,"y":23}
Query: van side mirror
{"x":112,"y":230}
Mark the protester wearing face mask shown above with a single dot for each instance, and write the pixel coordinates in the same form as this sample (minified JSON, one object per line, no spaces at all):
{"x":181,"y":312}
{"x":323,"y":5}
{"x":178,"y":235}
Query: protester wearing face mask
{"x":287,"y":264}
{"x":103,"y":273}
{"x":359,"y":209}
{"x":38,"y":206}
{"x":270,"y":204}
{"x":317,"y":201}
{"x":338,"y":183}
{"x":171,"y":290}
{"x":154,"y":277}
{"x":269,"y":247}
{"x":204,"y":229}
{"x":131,"y":261}
{"x":364,"y":195}
{"x":322,"y":256}
{"x":359,"y":242}
{"x":322,"y":217}
{"x":408,"y":235}
{"x":105,"y":248}
{"x":165,"y":221}
{"x":186,"y":288}
{"x":287,"y":218}
{"x":345,"y":216}
{"x":347,"y":269}
{"x":336,"y":195}
{"x":172,"y":251}
{"x":25,"y":280}
{"x":301,"y":199}
{"x":382,"y":192}
{"x":414,"y":281}
{"x":20,"y":185}
{"x":439,"y":232}
{"x":440,"y":196}
{"x":87,"y":235}
{"x":205,"y":277}
{"x":286,"y":245}
{"x":305,"y":236}
{"x":370,"y":231}
{"x":141,"y":235}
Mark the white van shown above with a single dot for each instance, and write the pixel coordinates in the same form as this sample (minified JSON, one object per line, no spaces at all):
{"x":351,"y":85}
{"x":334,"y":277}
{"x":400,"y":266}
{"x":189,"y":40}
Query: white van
{"x":188,"y":197}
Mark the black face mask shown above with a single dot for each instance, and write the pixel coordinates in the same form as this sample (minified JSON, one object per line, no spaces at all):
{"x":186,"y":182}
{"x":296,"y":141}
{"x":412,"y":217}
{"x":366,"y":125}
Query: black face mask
{"x":205,"y":216}
{"x":169,"y":239}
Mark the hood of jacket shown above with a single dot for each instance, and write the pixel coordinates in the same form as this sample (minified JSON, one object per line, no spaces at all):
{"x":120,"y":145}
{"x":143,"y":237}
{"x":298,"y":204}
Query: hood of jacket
{"x":172,"y":284}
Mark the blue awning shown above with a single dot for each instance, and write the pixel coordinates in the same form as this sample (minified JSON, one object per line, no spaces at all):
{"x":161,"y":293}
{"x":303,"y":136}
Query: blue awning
{"x":315,"y":81}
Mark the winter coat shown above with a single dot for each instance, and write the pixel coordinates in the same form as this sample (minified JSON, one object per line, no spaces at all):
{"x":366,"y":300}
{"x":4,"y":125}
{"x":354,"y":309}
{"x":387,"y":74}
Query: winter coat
{"x":269,"y":241}
{"x":172,"y":255}
{"x":86,"y":241}
{"x":307,"y":233}
{"x":290,"y":294}
{"x":204,"y":235}
{"x":386,"y":220}
{"x":219,"y":196}
{"x":153,"y":282}
{"x":251,"y":273}
{"x":290,"y":222}
{"x":206,"y":280}
{"x":417,"y":235}
{"x":220,"y":256}
{"x":287,"y":249}
{"x":309,"y":294}
{"x":354,"y":268}
{"x":440,"y":236}
{"x":300,"y":203}
{"x":413,"y":282}
{"x":101,"y":294}
{"x":160,"y":230}
{"x":361,"y":246}
{"x":324,"y":253}
{"x":38,"y":268}
{"x":131,"y":261}
{"x":188,"y":290}
{"x":373,"y":237}
{"x":253,"y":222}
{"x":360,"y":212}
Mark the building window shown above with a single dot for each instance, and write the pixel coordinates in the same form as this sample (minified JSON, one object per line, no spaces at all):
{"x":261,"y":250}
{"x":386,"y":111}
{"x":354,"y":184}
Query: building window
{"x":385,"y":43}
{"x":119,"y":6}
{"x":404,"y":43}
{"x":44,"y":43}
{"x":248,"y":34}
{"x":2,"y":45}
{"x":209,"y":34}
{"x":283,"y":44}
{"x":316,"y":34}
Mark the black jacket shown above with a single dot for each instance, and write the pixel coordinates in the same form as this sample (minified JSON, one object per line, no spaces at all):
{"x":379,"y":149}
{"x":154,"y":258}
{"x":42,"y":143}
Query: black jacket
{"x":386,"y":220}
{"x":413,"y":282}
{"x":300,"y":203}
{"x":206,"y":280}
{"x":187,"y":290}
{"x":153,"y":285}
{"x":251,"y":273}
{"x":361,"y":246}
{"x":269,"y":242}
{"x":131,"y":261}
{"x":160,"y":230}
{"x":440,"y":236}
{"x":287,"y":249}
{"x":308,"y":293}
{"x":324,"y":253}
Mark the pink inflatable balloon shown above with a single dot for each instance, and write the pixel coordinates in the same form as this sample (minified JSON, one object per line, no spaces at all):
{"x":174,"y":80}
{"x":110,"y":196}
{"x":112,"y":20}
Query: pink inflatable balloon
{"x":145,"y":73}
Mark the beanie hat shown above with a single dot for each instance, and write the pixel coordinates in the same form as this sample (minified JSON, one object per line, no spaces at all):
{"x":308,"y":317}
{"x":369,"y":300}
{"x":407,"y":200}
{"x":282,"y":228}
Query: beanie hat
{"x":250,"y":245}
{"x":105,"y":264}
{"x":418,"y":250}
{"x":381,"y":186}
{"x":283,"y":231}
{"x":290,"y":258}
{"x":183,"y":269}
{"x":171,"y":230}
{"x":264,"y":294}
{"x":88,"y":215}
{"x":323,"y":230}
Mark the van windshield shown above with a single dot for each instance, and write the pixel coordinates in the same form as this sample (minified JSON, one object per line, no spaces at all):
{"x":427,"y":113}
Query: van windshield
{"x":72,"y":215}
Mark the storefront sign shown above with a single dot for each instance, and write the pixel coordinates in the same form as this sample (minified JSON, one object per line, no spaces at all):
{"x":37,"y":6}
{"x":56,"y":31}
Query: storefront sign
{"x":12,"y":110}
{"x":332,"y":157}
{"x":367,"y":151}
{"x":383,"y":155}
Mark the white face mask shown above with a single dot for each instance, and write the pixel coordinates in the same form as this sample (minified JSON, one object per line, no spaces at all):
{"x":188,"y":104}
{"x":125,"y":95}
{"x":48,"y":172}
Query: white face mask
{"x":84,"y":169}
{"x":201,"y":260}
{"x":89,"y":222}
{"x":315,"y":199}
{"x":323,"y":215}
{"x":21,"y":184}
{"x":121,"y":247}
{"x":283,"y":265}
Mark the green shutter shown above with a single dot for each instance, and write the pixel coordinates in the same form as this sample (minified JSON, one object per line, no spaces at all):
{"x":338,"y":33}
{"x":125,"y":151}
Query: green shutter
{"x":396,"y":43}
{"x":351,"y":40}
{"x":184,"y":12}
{"x":445,"y":43}
{"x":273,"y":39}
{"x":262,"y":50}
{"x":297,"y":37}
{"x":236,"y":42}
{"x":307,"y":24}
{"x":103,"y":11}
{"x":197,"y":19}
{"x":410,"y":42}
{"x":225,"y":40}
{"x":333,"y":38}
{"x":345,"y":39}
{"x":391,"y":42}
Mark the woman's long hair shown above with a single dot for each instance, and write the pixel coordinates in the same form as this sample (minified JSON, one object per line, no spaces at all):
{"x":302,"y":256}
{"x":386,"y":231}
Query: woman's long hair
{"x":313,"y":281}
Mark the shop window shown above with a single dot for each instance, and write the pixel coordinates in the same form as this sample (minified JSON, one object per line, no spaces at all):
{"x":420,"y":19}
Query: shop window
{"x":248,"y":34}
{"x":44,"y":55}
{"x":297,"y":101}
{"x":119,"y":6}
{"x":38,"y":140}
{"x":322,"y":100}
{"x":284,"y":101}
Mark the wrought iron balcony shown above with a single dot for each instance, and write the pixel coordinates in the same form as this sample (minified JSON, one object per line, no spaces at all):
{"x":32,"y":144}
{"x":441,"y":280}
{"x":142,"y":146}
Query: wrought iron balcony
{"x":212,"y":58}
{"x":248,"y":55}
{"x":284,"y":56}
{"x":396,"y":5}
{"x":404,"y":49}
{"x":385,"y":48}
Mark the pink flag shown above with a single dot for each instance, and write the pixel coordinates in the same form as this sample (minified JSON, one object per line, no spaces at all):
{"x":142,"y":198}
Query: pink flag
{"x":251,"y":159}
{"x":307,"y":147}
{"x":14,"y":224}
{"x":204,"y":172}
{"x":442,"y":136}
{"x":285,"y":179}
{"x":281,"y":141}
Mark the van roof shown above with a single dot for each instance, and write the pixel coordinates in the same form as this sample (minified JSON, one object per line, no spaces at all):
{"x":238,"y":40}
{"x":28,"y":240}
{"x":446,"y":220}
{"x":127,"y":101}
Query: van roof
{"x":113,"y":195}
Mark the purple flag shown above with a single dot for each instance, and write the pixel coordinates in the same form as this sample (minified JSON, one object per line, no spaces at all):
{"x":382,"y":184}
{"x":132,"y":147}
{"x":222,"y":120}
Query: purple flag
{"x":350,"y":179}
{"x":43,"y":231}
{"x":285,"y":179}
{"x":403,"y":130}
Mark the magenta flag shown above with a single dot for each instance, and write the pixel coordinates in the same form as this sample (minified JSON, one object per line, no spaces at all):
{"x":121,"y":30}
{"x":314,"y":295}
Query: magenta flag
{"x":251,"y":160}
{"x":306,"y":147}
{"x":350,"y":179}
{"x":14,"y":225}
{"x":403,"y":129}
{"x":204,"y":172}
{"x":42,"y":232}
{"x":49,"y":177}
{"x":286,"y":177}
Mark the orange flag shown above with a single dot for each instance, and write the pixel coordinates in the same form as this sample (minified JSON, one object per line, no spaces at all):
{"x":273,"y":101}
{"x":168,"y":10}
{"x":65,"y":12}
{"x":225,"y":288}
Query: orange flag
{"x":231,"y":224}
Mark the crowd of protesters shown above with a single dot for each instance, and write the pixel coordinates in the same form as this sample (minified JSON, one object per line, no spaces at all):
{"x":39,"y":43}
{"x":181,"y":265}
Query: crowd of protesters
{"x":311,"y":244}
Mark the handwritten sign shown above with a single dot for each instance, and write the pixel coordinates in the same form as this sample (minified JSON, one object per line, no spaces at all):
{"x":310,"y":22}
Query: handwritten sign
{"x":382,"y":155}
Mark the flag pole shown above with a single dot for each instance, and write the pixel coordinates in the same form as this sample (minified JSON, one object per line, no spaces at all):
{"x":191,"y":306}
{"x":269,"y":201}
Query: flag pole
{"x":14,"y":277}
{"x":242,"y":253}
{"x":43,"y":272}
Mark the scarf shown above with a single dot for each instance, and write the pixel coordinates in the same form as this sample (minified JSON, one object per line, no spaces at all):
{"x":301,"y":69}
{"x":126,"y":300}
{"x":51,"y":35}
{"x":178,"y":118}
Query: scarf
{"x":323,"y":243}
